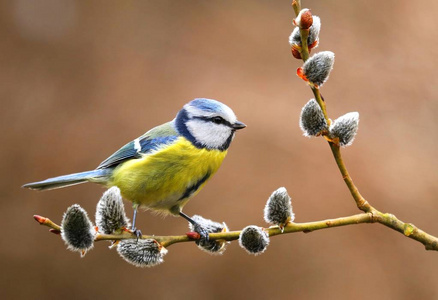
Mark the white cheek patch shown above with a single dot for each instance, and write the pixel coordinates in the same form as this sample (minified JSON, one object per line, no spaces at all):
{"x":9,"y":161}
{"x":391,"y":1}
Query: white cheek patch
{"x":209,"y":134}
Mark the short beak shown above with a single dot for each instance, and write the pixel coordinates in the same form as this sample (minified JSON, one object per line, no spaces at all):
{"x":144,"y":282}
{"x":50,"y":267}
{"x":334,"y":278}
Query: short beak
{"x":238,"y":125}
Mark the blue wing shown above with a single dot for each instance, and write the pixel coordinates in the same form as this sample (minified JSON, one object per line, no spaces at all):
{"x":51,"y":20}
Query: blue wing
{"x":152,"y":140}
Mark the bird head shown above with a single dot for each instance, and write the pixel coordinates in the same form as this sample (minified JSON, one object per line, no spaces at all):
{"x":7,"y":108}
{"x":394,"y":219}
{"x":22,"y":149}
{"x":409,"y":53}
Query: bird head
{"x":207,"y":124}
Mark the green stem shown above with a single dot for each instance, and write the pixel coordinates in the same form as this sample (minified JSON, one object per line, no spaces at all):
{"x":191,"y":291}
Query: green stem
{"x":361,"y":203}
{"x":318,"y":98}
{"x":408,"y":229}
{"x":304,"y":46}
{"x":296,"y":4}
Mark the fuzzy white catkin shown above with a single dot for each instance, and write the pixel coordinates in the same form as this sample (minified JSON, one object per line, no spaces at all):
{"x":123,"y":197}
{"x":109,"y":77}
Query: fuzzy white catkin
{"x":318,"y":67}
{"x":278,"y":209}
{"x":295,"y":38}
{"x":345,"y":128}
{"x":312,"y":120}
{"x":254,"y":240}
{"x":314,"y":30}
{"x":141,"y":253}
{"x":77,"y":231}
{"x":110,"y":212}
{"x":210,"y":246}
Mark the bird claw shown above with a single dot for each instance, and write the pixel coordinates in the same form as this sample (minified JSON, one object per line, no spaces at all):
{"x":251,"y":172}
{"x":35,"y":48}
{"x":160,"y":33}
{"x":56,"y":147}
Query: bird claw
{"x":202,"y":232}
{"x":136,"y":232}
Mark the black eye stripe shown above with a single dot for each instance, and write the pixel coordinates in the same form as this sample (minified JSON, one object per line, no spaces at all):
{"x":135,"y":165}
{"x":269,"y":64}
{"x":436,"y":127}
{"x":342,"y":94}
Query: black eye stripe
{"x":212,"y":119}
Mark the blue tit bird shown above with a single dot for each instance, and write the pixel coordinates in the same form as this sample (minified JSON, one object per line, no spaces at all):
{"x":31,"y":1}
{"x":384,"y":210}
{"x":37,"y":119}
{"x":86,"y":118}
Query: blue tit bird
{"x":162,"y":169}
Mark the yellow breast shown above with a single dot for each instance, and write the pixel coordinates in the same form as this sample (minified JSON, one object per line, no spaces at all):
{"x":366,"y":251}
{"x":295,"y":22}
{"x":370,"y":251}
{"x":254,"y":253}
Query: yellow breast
{"x":164,"y":180}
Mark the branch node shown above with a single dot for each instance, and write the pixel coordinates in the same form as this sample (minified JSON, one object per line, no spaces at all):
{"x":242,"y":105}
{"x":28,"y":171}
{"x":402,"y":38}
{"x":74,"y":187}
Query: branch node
{"x":409,"y":229}
{"x":374,"y":218}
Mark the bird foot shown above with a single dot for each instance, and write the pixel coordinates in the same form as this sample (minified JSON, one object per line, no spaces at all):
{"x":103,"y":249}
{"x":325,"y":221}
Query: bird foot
{"x":202,"y":232}
{"x":136,"y":232}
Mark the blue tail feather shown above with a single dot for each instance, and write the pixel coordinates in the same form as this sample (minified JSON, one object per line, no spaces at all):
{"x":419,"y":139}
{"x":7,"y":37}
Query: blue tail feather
{"x":99,"y":176}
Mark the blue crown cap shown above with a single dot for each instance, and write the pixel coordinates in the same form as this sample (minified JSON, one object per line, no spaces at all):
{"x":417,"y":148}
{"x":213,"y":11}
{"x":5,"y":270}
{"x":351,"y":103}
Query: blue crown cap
{"x":208,"y":105}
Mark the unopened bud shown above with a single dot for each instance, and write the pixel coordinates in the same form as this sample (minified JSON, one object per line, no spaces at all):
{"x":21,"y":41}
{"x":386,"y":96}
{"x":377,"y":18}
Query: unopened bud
{"x":278,"y":209}
{"x":254,"y":239}
{"x":312,"y":121}
{"x":77,"y":231}
{"x":210,"y":246}
{"x":304,"y":19}
{"x":141,"y":253}
{"x":345,"y":128}
{"x":318,"y":67}
{"x":110,"y":212}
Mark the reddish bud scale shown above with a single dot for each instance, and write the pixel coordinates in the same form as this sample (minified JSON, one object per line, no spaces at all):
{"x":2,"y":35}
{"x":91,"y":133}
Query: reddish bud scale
{"x":306,"y":20}
{"x":295,"y":52}
{"x":313,"y":45}
{"x":300,"y":74}
{"x":40,"y":219}
{"x":193,"y":235}
{"x":160,"y":247}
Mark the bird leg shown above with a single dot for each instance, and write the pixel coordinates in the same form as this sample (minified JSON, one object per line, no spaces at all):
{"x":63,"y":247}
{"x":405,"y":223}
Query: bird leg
{"x":133,"y":229}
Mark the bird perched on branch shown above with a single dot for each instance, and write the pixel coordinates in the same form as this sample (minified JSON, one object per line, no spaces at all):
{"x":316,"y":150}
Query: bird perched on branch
{"x":162,"y":169}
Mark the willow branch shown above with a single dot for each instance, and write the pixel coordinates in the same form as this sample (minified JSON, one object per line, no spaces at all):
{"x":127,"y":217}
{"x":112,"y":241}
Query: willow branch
{"x":389,"y":220}
{"x":227,"y":236}
{"x":361,"y":203}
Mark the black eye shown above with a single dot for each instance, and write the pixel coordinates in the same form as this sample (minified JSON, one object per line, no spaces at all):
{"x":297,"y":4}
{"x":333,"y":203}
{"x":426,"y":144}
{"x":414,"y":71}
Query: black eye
{"x":218,"y":120}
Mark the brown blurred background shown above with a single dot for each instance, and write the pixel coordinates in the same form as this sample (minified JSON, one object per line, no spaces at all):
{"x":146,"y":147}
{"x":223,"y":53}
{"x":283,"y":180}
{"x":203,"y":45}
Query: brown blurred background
{"x":80,"y":79}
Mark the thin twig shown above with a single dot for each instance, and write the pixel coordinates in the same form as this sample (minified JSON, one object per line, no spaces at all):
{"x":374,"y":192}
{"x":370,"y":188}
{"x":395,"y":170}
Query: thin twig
{"x":296,"y":4}
{"x":320,"y":100}
{"x":361,"y":203}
